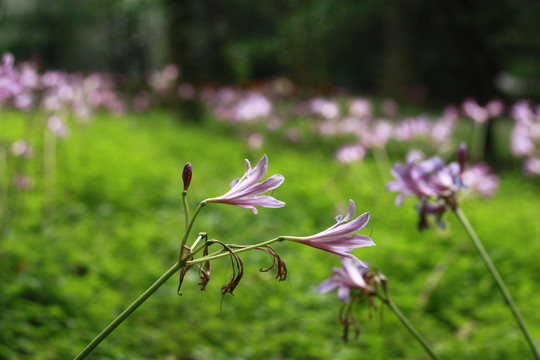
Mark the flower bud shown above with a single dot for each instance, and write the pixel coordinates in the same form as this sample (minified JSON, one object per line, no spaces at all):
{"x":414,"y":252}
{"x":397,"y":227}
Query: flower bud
{"x":186,"y":175}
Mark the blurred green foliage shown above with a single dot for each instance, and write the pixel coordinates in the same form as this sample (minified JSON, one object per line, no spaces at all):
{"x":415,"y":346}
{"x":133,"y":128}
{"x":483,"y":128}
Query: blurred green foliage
{"x":119,"y":220}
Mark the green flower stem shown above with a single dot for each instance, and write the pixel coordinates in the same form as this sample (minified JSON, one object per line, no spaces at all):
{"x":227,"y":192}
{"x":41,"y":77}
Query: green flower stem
{"x":128,"y":311}
{"x":220,"y":251}
{"x":140,"y":300}
{"x":208,"y":242}
{"x":201,"y":235}
{"x":408,"y":325}
{"x":217,"y":256}
{"x":186,"y":207}
{"x":498,"y":280}
{"x":49,"y":174}
{"x":190,"y":225}
{"x":4,"y":188}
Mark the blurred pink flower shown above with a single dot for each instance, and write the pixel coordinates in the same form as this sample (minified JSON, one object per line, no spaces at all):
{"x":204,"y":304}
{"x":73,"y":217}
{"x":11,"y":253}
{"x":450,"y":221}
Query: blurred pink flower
{"x":495,"y":108}
{"x":426,"y":178}
{"x":350,"y":153}
{"x":57,"y":126}
{"x":521,"y":142}
{"x":478,"y":178}
{"x":476,"y":112}
{"x":525,"y":136}
{"x":253,"y":106}
{"x":141,"y":102}
{"x":351,"y":125}
{"x":274,"y":123}
{"x":82,"y":111}
{"x":24,"y":101}
{"x":245,"y":191}
{"x":429,"y":179}
{"x":255,"y":140}
{"x":410,"y":128}
{"x":376,"y":134}
{"x":23,"y":182}
{"x":29,"y":76}
{"x":523,"y":113}
{"x":442,"y":130}
{"x":531,"y":166}
{"x":337,"y":239}
{"x":361,"y":108}
{"x":8,"y":60}
{"x":345,"y":279}
{"x":293,"y":135}
{"x":171,"y":72}
{"x":328,"y":128}
{"x":10,"y":82}
{"x":450,"y":113}
{"x":323,"y":107}
{"x":22,"y":148}
{"x":186,"y":91}
{"x":479,"y":114}
{"x":162,"y":81}
{"x":390,"y":107}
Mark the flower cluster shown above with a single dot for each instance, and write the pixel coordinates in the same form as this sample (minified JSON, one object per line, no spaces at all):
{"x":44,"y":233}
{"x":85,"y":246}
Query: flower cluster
{"x":429,"y":179}
{"x":348,"y":278}
{"x":525,"y":137}
{"x":248,"y":192}
{"x":354,"y":284}
{"x":481,"y":114}
{"x":23,"y":87}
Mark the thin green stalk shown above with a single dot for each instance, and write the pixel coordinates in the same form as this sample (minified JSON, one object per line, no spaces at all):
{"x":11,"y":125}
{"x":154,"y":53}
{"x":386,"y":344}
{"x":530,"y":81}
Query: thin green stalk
{"x":436,"y":274}
{"x":381,"y":160}
{"x":478,"y":141}
{"x":482,"y":141}
{"x":190,"y":225}
{"x":498,"y":280}
{"x":128,"y":311}
{"x":201,"y":236}
{"x":4,"y":189}
{"x":247,"y":248}
{"x":49,"y":174}
{"x":186,"y":207}
{"x":408,"y":325}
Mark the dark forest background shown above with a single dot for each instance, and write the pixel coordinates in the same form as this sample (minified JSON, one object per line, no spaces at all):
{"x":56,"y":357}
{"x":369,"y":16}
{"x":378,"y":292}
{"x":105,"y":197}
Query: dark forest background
{"x":411,"y":50}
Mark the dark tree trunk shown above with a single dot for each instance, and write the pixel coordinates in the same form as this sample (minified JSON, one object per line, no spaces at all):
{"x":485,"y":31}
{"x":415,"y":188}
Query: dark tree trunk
{"x":396,"y":58}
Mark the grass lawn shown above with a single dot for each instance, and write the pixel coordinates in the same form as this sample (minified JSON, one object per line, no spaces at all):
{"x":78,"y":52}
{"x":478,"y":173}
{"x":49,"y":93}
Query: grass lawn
{"x":117,"y":222}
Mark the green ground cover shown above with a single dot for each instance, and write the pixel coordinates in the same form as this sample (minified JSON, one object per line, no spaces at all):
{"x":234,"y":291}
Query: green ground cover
{"x":118,"y":221}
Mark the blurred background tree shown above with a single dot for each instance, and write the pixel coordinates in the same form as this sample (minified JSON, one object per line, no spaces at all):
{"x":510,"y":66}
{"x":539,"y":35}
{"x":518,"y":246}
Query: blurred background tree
{"x":420,"y":50}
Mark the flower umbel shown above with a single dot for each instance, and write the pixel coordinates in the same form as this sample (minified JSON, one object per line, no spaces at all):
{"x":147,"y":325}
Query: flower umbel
{"x":355,"y":285}
{"x":337,"y":239}
{"x":246,"y":191}
{"x":429,"y":179}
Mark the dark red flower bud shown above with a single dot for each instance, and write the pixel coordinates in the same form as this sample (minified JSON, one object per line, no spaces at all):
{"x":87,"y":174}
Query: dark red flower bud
{"x":186,"y":175}
{"x":462,"y":157}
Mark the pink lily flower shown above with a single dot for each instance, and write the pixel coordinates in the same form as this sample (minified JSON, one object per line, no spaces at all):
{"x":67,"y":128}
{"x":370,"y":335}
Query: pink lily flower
{"x":429,"y":178}
{"x":337,"y":239}
{"x":479,"y":179}
{"x":347,"y":278}
{"x":246,"y":190}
